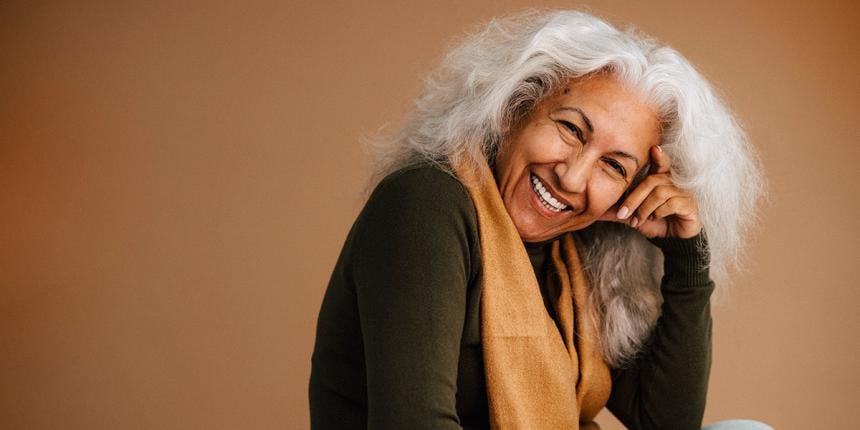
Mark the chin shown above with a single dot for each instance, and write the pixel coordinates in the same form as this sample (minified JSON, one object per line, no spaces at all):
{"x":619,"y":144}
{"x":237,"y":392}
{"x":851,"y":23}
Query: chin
{"x":532,"y":234}
{"x":530,"y":238}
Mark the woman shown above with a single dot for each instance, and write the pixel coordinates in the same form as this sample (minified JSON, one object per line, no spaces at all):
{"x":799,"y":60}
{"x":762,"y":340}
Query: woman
{"x":535,"y":245}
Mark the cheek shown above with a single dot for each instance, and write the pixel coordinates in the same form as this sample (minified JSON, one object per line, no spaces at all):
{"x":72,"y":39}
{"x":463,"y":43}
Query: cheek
{"x":602,"y":194}
{"x":542,"y":145}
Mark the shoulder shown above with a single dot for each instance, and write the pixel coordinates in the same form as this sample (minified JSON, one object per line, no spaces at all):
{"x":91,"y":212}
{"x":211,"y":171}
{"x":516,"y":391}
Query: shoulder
{"x":418,"y":222}
{"x":418,"y":210}
{"x":421,"y":191}
{"x":426,"y":180}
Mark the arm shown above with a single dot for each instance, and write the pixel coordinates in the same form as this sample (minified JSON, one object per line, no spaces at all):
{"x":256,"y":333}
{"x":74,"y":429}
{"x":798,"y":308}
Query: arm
{"x":412,"y":263}
{"x":665,"y":386}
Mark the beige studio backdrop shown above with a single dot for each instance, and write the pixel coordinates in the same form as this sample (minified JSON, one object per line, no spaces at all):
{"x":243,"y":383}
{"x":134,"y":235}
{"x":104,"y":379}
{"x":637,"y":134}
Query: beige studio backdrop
{"x":177,"y":178}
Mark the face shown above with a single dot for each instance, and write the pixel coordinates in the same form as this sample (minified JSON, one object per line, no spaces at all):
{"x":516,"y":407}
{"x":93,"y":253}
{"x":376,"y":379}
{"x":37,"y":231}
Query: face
{"x":573,"y":157}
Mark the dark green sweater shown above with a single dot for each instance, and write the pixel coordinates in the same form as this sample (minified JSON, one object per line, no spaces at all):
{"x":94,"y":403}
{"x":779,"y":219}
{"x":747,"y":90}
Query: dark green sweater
{"x":398,"y":341}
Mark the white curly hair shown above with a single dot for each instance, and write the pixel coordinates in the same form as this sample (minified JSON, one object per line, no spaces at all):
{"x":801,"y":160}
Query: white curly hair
{"x":497,"y":75}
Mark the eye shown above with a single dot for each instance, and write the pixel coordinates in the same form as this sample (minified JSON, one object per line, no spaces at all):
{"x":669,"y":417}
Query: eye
{"x":572,"y":128}
{"x":615,"y":165}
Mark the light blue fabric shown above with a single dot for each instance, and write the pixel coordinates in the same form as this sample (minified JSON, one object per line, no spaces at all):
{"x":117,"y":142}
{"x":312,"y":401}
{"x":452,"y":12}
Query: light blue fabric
{"x":737,"y":425}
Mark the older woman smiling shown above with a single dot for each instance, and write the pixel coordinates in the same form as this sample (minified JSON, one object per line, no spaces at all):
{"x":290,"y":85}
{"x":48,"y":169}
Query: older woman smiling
{"x":535,"y":247}
{"x":574,"y":157}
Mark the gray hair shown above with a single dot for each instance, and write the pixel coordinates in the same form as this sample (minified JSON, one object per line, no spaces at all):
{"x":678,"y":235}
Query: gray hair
{"x":497,"y":75}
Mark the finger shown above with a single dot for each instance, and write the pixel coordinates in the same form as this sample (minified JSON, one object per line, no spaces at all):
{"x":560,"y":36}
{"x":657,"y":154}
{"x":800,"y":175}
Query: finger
{"x":685,"y":223}
{"x":638,"y":195}
{"x":659,"y":195}
{"x":680,"y":205}
{"x":651,"y":228}
{"x":611,"y":215}
{"x":660,"y":160}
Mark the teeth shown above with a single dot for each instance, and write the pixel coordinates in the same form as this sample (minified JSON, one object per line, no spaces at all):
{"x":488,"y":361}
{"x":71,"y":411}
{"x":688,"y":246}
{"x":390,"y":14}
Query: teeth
{"x":545,"y":197}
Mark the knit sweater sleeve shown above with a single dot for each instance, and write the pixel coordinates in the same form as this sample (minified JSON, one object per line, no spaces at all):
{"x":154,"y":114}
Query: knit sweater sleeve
{"x":411,"y":272}
{"x":665,"y":386}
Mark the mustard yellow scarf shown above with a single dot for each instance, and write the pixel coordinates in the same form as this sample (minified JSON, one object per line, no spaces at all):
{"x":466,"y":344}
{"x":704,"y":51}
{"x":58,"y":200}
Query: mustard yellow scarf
{"x":539,"y":375}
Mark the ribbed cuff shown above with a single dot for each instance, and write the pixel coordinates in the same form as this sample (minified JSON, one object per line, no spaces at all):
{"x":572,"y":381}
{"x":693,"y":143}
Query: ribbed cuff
{"x":685,"y":259}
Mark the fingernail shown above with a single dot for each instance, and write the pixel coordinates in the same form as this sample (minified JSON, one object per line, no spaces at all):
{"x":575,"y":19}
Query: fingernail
{"x":634,"y":222}
{"x":623,"y":212}
{"x":660,"y":148}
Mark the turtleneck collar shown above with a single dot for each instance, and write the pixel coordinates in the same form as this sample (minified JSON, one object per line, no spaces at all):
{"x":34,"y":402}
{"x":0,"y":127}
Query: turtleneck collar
{"x":538,"y":252}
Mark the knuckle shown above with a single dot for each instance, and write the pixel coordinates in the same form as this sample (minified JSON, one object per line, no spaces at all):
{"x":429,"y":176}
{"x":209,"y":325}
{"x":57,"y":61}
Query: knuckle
{"x":645,"y":210}
{"x":664,"y":191}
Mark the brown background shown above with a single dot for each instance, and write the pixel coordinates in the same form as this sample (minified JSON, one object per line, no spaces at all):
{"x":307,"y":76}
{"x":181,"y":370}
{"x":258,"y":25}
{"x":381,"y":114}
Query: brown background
{"x":176,"y":182}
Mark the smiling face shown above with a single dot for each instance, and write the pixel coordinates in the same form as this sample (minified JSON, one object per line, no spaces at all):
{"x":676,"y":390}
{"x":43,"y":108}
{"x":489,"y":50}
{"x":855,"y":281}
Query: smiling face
{"x":574,"y":156}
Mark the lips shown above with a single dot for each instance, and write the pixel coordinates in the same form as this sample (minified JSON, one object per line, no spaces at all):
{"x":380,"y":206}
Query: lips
{"x":545,"y":197}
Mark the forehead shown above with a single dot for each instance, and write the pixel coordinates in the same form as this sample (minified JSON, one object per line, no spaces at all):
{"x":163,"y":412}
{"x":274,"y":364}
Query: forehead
{"x":619,"y":114}
{"x":606,"y":96}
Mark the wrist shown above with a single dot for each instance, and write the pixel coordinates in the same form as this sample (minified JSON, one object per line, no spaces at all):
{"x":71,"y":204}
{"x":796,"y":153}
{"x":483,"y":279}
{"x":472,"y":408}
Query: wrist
{"x":688,"y":258}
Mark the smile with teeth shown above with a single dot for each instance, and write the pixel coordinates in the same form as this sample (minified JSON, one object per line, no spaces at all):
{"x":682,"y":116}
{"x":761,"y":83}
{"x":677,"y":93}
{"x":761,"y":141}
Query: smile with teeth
{"x":545,"y":197}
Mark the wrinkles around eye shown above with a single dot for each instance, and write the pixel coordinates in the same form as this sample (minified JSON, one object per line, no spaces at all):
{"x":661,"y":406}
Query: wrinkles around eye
{"x":617,"y":167}
{"x":573,"y":129}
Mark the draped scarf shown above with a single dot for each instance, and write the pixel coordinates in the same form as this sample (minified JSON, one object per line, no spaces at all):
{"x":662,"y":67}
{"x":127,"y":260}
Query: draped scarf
{"x":540,"y":373}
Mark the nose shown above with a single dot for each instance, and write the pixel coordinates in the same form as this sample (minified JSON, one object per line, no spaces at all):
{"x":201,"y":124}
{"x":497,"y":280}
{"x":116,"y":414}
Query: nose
{"x":573,"y":174}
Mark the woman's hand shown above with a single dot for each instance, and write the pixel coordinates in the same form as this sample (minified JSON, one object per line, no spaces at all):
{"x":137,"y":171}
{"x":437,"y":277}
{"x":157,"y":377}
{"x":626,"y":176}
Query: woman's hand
{"x":656,"y":207}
